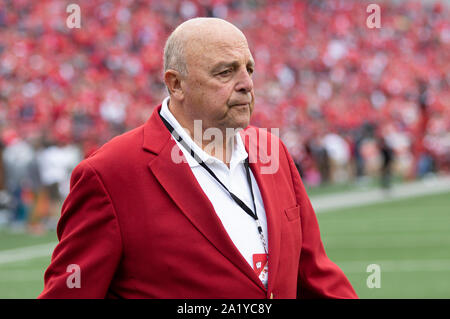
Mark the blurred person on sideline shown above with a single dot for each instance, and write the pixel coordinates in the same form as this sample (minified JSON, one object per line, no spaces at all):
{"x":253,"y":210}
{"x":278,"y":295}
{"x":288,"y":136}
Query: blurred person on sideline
{"x":56,"y":162}
{"x":4,"y":196}
{"x":387,"y":159}
{"x":2,"y":167}
{"x":364,"y":132}
{"x":318,"y":162}
{"x":159,"y":213}
{"x":339,"y":154}
{"x":423,"y":162}
{"x":22,"y":178}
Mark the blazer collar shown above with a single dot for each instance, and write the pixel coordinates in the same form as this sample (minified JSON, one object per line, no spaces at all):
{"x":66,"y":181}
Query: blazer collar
{"x":156,"y":134}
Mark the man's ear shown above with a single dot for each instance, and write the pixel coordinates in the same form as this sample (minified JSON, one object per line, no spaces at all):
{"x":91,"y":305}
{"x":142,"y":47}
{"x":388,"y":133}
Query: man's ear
{"x":173,"y":79}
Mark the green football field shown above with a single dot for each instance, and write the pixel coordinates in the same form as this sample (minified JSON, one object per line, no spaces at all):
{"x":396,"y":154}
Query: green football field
{"x":408,"y":239}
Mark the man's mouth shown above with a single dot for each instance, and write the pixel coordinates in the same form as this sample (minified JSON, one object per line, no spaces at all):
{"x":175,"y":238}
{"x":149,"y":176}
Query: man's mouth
{"x":240,"y":104}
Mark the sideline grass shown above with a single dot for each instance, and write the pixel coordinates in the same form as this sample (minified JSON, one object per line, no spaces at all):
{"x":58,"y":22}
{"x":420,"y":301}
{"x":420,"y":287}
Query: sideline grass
{"x":10,"y":240}
{"x":409,"y":239}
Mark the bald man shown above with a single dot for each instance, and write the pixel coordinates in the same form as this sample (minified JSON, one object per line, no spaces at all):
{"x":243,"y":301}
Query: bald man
{"x":195,"y":203}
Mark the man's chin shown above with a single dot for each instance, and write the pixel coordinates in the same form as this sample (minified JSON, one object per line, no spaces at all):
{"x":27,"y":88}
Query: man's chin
{"x":241,"y":124}
{"x":241,"y":118}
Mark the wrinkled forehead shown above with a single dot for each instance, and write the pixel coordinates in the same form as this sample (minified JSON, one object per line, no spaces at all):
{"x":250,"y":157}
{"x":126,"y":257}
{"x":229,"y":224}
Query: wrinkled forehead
{"x":210,"y":46}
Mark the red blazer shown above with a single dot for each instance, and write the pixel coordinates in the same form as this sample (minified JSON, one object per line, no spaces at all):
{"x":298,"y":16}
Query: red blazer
{"x":139,"y":226}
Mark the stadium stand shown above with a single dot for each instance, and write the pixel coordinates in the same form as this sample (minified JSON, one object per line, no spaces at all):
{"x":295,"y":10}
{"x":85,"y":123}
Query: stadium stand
{"x":334,"y":87}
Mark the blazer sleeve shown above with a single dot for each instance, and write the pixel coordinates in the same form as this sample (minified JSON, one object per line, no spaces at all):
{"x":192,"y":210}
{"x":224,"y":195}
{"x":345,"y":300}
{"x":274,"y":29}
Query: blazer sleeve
{"x":90,"y":245}
{"x":318,"y":276}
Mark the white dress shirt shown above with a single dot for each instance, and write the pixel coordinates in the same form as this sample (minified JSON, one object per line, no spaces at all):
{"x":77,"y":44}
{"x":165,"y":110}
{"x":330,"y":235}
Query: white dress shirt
{"x":240,"y":227}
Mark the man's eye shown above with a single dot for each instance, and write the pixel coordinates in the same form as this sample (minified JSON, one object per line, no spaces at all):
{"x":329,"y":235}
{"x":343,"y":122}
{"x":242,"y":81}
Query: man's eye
{"x":250,"y":70}
{"x":226,"y":72}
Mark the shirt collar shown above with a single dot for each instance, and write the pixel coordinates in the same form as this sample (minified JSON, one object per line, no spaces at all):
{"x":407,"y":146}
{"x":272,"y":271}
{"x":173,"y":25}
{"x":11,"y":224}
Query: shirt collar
{"x":238,"y":155}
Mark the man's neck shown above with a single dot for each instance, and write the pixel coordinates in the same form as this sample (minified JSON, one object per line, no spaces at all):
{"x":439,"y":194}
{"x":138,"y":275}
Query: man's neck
{"x":220,"y":148}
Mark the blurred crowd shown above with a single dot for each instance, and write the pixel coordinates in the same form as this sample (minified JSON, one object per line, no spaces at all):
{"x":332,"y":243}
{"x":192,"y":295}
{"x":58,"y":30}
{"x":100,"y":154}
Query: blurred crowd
{"x":349,"y":101}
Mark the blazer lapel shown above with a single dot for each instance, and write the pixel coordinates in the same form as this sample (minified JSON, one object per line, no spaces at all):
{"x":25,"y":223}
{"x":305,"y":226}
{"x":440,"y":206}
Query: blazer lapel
{"x":188,"y":194}
{"x":269,"y":193}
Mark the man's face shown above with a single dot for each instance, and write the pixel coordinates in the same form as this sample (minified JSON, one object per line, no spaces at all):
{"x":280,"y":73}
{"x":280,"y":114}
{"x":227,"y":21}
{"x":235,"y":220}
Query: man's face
{"x":218,"y":88}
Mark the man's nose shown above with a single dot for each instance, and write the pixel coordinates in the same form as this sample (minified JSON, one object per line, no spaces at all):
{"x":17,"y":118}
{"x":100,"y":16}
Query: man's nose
{"x":244,"y":82}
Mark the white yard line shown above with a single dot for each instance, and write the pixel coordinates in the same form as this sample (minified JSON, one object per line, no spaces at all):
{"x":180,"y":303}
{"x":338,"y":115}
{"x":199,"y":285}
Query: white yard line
{"x":25,"y":253}
{"x":22,"y":275}
{"x":324,"y":203}
{"x":426,"y":265}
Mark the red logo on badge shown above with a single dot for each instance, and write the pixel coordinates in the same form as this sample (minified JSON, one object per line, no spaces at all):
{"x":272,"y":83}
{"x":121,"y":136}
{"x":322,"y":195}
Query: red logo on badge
{"x":259,"y":262}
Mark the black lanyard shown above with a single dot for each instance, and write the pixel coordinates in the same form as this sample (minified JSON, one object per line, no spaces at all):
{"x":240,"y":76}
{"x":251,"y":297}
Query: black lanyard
{"x":234,"y":197}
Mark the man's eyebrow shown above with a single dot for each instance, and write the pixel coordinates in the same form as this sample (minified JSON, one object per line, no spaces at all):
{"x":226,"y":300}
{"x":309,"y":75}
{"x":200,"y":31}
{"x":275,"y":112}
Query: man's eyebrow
{"x":226,"y":64}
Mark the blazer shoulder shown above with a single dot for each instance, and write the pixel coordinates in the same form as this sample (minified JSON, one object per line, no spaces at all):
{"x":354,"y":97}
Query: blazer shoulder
{"x":269,"y":132}
{"x":120,"y":150}
{"x":262,"y":137}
